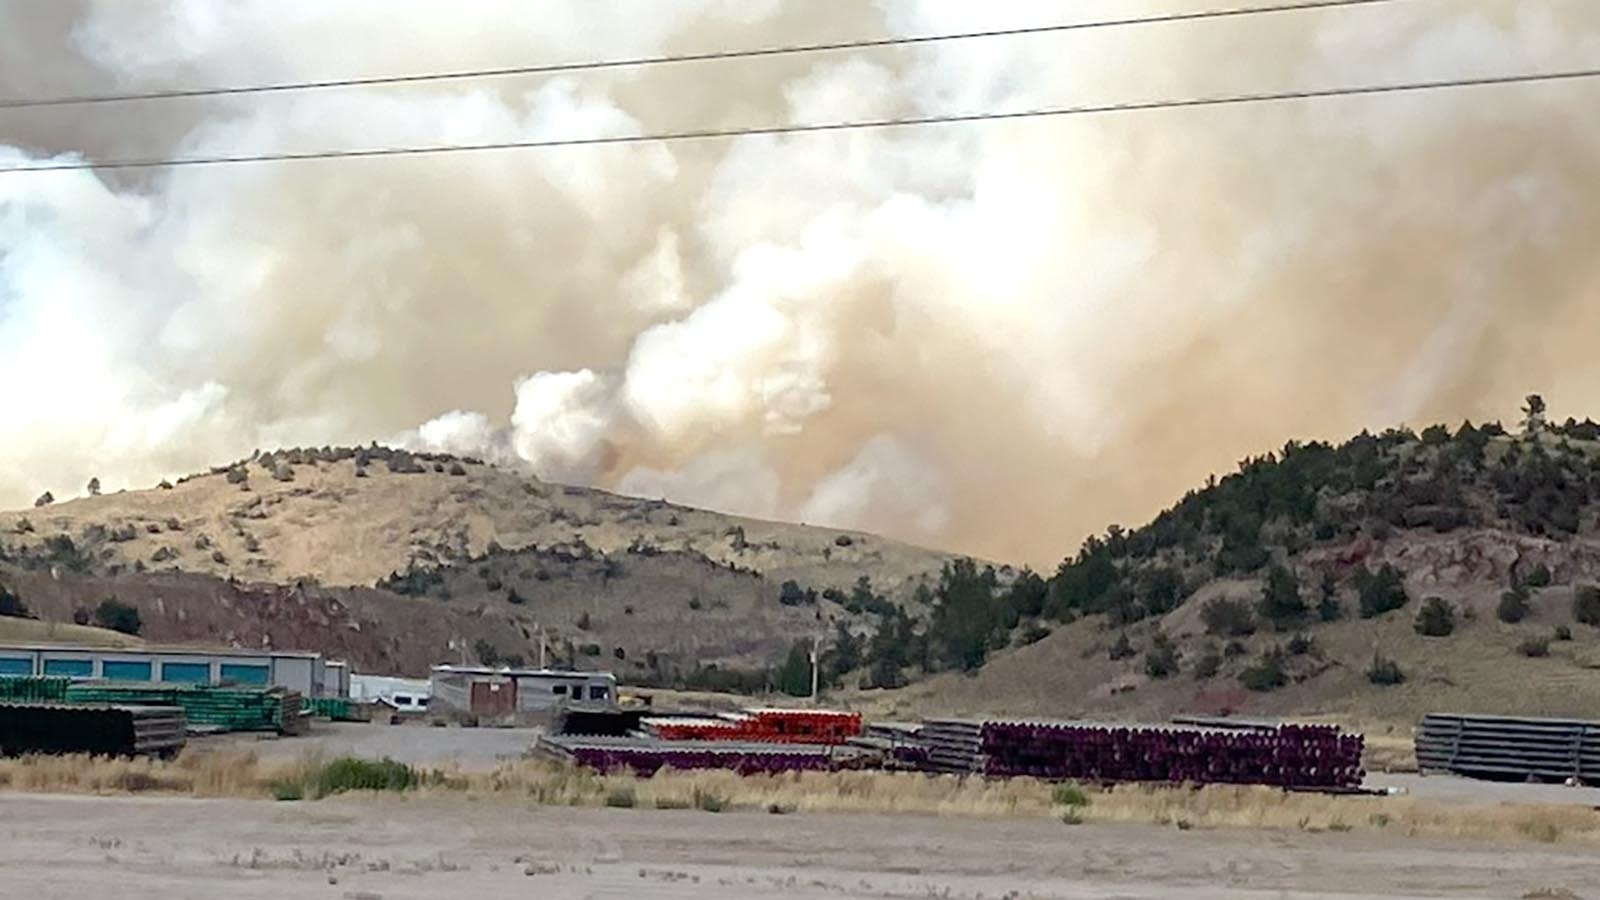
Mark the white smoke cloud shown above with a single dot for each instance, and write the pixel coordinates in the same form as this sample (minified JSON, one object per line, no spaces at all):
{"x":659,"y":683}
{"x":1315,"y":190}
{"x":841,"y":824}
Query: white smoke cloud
{"x":735,"y":480}
{"x":993,"y":337}
{"x":884,"y":488}
{"x":560,"y":422}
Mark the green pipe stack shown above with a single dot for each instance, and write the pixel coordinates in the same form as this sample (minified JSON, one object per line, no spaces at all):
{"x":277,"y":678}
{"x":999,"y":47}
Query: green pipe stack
{"x":206,"y":708}
{"x":32,"y":689}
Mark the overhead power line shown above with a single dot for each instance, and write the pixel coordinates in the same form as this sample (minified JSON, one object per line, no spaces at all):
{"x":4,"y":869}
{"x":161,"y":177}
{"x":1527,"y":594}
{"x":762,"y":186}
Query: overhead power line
{"x":638,"y":61}
{"x":805,"y":128}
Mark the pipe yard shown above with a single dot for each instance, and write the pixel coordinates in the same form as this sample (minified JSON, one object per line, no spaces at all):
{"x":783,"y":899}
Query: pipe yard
{"x":960,"y":807}
{"x":820,"y":803}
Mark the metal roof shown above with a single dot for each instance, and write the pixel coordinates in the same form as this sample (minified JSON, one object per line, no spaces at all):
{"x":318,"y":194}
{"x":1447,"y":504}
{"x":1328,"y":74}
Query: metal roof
{"x":157,"y":650}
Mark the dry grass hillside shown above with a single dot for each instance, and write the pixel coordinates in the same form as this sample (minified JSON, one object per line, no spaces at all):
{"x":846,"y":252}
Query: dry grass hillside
{"x":33,"y":631}
{"x":398,"y":561}
{"x":350,"y":517}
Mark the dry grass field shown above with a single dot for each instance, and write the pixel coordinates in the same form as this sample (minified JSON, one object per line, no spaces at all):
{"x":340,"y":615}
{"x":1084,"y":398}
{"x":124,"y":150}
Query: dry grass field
{"x":241,"y":774}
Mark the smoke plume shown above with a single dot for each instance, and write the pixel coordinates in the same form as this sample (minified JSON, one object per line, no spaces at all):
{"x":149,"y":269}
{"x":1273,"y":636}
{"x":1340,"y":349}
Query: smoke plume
{"x":994,"y":337}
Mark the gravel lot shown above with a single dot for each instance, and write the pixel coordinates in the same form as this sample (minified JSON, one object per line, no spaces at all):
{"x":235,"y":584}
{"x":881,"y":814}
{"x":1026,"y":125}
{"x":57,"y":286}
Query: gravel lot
{"x":410,"y":848}
{"x":415,"y":744}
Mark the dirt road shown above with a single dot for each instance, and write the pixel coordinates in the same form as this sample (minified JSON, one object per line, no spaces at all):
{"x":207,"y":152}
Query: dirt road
{"x":409,"y":848}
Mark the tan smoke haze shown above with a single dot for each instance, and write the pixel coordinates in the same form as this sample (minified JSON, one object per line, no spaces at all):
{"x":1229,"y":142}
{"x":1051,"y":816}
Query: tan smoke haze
{"x":993,"y":337}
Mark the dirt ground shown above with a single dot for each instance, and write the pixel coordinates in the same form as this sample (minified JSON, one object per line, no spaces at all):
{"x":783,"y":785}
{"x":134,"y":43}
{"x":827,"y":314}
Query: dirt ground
{"x":409,"y":848}
{"x":472,"y":749}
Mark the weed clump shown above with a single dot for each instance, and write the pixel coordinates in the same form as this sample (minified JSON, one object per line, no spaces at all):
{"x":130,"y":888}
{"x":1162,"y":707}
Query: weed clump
{"x":348,"y":773}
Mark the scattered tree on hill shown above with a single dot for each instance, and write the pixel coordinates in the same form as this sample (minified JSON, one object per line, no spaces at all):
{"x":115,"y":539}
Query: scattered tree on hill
{"x":1538,"y":577}
{"x":1381,"y":592}
{"x":965,"y":614}
{"x":863,"y":599}
{"x":1534,"y":647}
{"x":1161,"y":660}
{"x":1384,"y":671}
{"x":1207,"y":664}
{"x":1300,"y":645}
{"x":1533,"y":416}
{"x":1280,"y":601}
{"x":844,"y":655}
{"x":794,"y":676}
{"x":486,"y":653}
{"x":584,"y":621}
{"x":117,"y":616}
{"x":1121,"y":649}
{"x":1435,"y":618}
{"x":791,"y":594}
{"x":1513,"y":606}
{"x":1563,"y":633}
{"x":45,"y":499}
{"x":11,"y":605}
{"x":1161,"y":589}
{"x":1226,"y":617}
{"x":1435,"y":435}
{"x":894,"y":646}
{"x":93,"y":487}
{"x":1586,"y":605}
{"x":1329,"y":609}
{"x":1266,"y":673}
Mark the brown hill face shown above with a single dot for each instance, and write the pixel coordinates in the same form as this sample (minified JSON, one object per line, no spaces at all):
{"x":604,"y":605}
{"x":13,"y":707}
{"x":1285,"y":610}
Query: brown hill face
{"x":398,"y":561}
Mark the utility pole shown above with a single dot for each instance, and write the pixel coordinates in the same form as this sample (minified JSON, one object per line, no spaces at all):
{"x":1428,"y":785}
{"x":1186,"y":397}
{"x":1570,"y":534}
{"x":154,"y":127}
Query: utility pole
{"x":815,"y":665}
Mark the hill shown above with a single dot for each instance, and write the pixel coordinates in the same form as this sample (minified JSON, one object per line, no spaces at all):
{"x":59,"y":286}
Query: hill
{"x":15,"y":630}
{"x":400,"y":560}
{"x":1382,"y":577}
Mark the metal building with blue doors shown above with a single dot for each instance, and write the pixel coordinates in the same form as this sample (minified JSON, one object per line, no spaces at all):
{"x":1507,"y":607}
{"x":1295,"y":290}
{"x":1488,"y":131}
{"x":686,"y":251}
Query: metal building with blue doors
{"x":303,"y":672}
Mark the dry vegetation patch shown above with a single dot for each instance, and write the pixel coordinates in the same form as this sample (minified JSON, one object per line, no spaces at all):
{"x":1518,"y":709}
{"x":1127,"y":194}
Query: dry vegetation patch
{"x":243,"y":774}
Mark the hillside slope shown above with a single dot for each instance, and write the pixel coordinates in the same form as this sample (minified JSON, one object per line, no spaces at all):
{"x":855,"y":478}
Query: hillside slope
{"x":1276,"y":589}
{"x":398,"y":561}
{"x":347,"y":516}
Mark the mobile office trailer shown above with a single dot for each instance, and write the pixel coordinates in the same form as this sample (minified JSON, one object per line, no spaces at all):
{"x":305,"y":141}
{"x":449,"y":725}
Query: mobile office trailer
{"x":480,"y":690}
{"x":406,"y":695}
{"x":302,"y":672}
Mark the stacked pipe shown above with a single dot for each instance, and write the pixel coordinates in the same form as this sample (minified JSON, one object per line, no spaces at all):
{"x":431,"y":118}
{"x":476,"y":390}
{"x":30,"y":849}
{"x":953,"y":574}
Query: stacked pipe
{"x":1510,"y":747}
{"x":207,"y":707}
{"x":645,"y":756}
{"x":33,"y":689}
{"x":1289,"y":756}
{"x":102,"y":730}
{"x":782,"y":726}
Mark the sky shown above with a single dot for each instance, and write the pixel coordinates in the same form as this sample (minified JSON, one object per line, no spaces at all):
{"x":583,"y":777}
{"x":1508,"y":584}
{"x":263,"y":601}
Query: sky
{"x":995,"y":338}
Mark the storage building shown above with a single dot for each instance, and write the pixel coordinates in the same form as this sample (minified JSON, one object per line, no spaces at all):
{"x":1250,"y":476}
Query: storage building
{"x":302,"y":672}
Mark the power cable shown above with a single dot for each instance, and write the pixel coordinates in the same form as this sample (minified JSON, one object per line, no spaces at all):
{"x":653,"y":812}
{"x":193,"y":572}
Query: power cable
{"x":803,"y":128}
{"x":638,"y":61}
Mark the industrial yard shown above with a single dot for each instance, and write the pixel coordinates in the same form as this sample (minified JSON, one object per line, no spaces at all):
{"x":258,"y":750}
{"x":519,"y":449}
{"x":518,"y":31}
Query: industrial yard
{"x":511,"y":781}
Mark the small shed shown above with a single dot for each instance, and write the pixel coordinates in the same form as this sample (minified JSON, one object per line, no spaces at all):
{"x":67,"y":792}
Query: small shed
{"x":481,"y":690}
